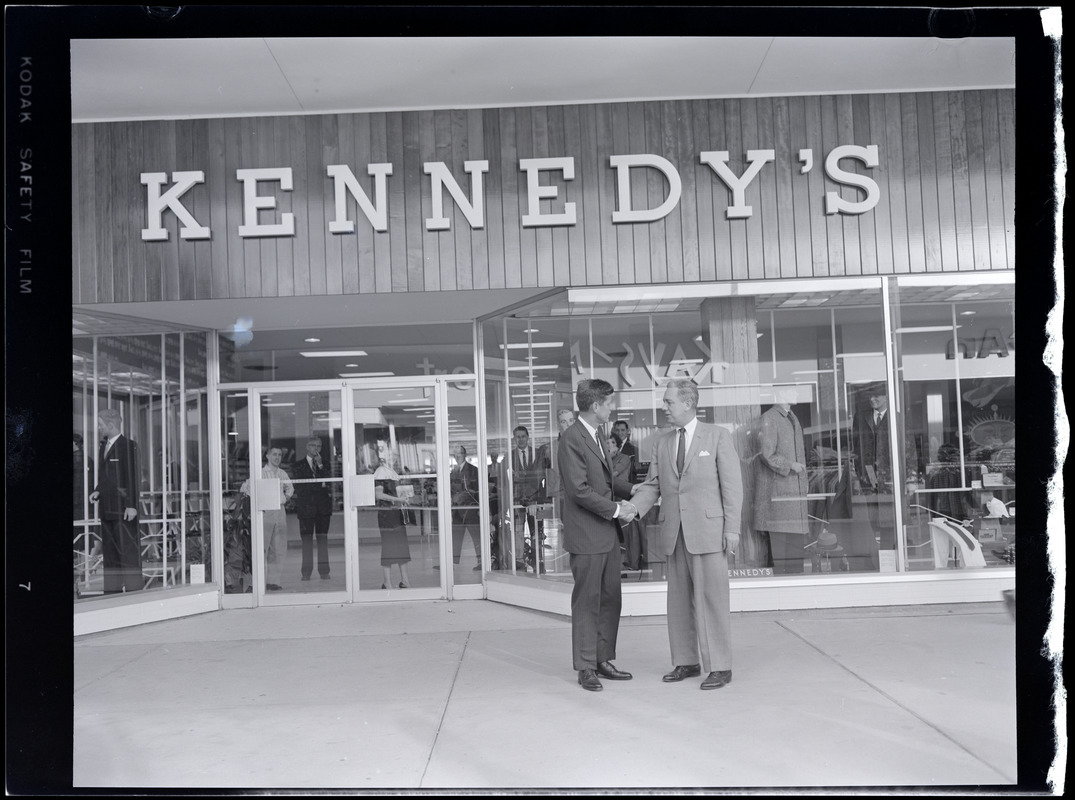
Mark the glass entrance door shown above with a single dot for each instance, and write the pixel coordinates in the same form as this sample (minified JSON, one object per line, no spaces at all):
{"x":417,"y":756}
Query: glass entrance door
{"x":346,"y":494}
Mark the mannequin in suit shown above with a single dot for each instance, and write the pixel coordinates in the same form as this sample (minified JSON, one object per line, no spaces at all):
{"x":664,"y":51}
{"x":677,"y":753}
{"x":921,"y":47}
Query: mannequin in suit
{"x":464,"y":485}
{"x":870,"y":439}
{"x":695,"y":470}
{"x":313,"y":505}
{"x":591,"y":519}
{"x":116,"y":494}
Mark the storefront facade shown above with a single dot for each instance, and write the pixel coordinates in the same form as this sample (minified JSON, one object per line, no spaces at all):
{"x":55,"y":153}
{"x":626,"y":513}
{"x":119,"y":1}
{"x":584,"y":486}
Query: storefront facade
{"x":835,"y":255}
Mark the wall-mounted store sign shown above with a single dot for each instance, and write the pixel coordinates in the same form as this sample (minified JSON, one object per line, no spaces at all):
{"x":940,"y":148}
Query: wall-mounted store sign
{"x":346,"y":186}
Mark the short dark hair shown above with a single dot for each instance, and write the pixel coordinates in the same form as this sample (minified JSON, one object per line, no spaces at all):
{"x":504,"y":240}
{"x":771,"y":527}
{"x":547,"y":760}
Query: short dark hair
{"x":616,"y":438}
{"x":77,"y":438}
{"x":520,"y":428}
{"x":590,"y":391}
{"x":622,"y":422}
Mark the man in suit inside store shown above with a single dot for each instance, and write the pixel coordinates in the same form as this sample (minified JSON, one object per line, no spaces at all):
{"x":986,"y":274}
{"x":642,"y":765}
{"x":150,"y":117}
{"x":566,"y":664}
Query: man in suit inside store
{"x":591,"y":519}
{"x":313,"y":506}
{"x":623,"y":430}
{"x":116,"y":494}
{"x":695,"y":471}
{"x":869,"y":436}
{"x":464,"y":486}
{"x":528,"y":465}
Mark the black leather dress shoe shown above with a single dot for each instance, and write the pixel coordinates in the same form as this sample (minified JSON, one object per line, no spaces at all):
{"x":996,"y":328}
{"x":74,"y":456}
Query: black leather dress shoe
{"x":717,"y":679}
{"x":679,"y":673}
{"x":606,"y":669}
{"x":588,"y":680}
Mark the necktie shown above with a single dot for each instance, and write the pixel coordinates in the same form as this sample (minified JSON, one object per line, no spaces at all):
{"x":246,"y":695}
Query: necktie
{"x":681,"y":452}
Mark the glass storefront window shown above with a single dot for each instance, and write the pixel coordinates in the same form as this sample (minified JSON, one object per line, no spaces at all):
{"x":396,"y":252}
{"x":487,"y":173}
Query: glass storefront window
{"x":146,"y":528}
{"x":956,"y":360}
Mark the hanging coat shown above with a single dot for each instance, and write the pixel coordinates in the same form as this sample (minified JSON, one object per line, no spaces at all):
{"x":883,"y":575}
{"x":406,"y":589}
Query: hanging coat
{"x":779,"y":492}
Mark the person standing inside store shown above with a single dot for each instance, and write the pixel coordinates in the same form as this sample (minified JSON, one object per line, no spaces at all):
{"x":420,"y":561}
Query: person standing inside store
{"x":464,"y":486}
{"x":313,"y":505}
{"x":274,"y":520}
{"x":591,"y":519}
{"x":565,"y":418}
{"x":116,"y":495}
{"x":632,"y":533}
{"x":781,"y":484}
{"x":528,"y":467}
{"x":623,"y":432}
{"x":395,"y":548}
{"x":869,"y":436}
{"x":82,"y":467}
{"x":695,"y":471}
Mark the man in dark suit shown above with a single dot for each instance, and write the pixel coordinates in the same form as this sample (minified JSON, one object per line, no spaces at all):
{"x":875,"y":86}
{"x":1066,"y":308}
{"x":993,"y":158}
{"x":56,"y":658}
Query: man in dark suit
{"x":313,"y":505}
{"x":696,"y":473}
{"x":464,"y":486}
{"x":873,"y":458}
{"x":591,"y":519}
{"x":528,"y":465}
{"x":117,"y":495}
{"x":623,"y":430}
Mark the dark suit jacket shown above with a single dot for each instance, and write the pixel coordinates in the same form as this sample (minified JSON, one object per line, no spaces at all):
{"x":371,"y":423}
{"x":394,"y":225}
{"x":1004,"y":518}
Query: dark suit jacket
{"x":529,"y":481}
{"x":586,"y":484}
{"x":871,"y":446}
{"x":622,"y":475}
{"x":311,"y":499}
{"x":464,"y":486}
{"x":119,"y":479}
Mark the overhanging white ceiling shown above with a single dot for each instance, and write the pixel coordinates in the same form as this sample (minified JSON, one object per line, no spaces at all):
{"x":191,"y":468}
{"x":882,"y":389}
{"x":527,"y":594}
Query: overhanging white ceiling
{"x":125,"y":79}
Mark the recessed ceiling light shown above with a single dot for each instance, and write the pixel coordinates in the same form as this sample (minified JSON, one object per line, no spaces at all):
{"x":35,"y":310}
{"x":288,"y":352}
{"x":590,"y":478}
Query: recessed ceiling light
{"x":312,"y":340}
{"x":330,"y":353}
{"x":967,"y":313}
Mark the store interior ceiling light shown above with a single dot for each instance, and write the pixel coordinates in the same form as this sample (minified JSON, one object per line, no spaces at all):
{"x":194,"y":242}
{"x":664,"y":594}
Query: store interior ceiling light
{"x":366,"y":374}
{"x":331,"y":353}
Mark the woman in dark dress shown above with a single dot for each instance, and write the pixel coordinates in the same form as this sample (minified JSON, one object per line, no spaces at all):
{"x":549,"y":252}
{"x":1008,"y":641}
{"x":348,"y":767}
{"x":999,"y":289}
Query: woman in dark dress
{"x":394,"y":546}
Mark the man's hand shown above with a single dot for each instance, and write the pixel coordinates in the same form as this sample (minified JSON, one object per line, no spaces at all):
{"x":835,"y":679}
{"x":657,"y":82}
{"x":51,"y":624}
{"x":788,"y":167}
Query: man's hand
{"x":798,"y":468}
{"x":731,"y":543}
{"x":129,"y":514}
{"x":94,"y":496}
{"x":635,"y":488}
{"x":628,"y":512}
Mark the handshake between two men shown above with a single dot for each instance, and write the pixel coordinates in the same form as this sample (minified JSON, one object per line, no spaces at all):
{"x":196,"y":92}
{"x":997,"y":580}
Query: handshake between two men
{"x":628,"y":512}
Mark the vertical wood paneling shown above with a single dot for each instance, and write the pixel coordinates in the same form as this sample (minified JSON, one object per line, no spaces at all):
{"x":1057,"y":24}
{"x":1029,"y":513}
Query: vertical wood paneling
{"x":946,"y":179}
{"x":478,"y":240}
{"x":412,"y":172}
{"x":867,"y":231}
{"x":748,"y":120}
{"x":184,"y":160}
{"x":946,"y":209}
{"x":606,"y":193}
{"x":785,"y":200}
{"x":976,"y":176}
{"x":994,"y":192}
{"x":590,"y":212}
{"x":673,"y":229}
{"x":390,"y":247}
{"x":576,"y":239}
{"x":427,"y":275}
{"x":882,"y":214}
{"x":557,"y":146}
{"x":304,"y":182}
{"x":688,"y":204}
{"x":445,"y":250}
{"x":927,"y":153}
{"x":494,"y":197}
{"x":514,"y":197}
{"x":349,"y":150}
{"x":1006,"y":113}
{"x":636,"y":142}
{"x":961,"y":182}
{"x":625,"y":246}
{"x":154,"y":256}
{"x":819,"y":235}
{"x":718,"y":219}
{"x":655,"y":191}
{"x":770,"y":226}
{"x":912,"y":171}
{"x":802,"y":201}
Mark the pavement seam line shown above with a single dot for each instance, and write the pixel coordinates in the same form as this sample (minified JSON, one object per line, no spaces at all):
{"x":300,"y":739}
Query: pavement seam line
{"x":893,"y":700}
{"x":444,"y":709}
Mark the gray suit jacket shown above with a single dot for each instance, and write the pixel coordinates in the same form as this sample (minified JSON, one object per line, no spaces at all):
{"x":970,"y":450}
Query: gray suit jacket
{"x":707,"y":499}
{"x":586,"y":485}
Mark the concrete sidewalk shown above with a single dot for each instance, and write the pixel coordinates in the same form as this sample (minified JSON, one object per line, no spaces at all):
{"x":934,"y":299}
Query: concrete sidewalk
{"x":474,"y":694}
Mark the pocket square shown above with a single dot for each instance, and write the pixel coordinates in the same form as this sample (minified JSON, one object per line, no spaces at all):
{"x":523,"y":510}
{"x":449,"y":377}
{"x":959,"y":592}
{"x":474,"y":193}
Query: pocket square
{"x":704,"y":453}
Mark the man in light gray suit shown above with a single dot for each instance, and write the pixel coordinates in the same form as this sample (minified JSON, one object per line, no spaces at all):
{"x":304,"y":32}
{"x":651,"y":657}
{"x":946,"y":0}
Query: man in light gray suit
{"x":591,"y":518}
{"x":695,"y":471}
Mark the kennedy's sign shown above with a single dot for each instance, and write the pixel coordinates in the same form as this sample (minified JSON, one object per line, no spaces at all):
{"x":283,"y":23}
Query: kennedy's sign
{"x":160,"y":199}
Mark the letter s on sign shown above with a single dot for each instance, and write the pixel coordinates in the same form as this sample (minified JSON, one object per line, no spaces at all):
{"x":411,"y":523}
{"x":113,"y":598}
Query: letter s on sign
{"x":835,"y":204}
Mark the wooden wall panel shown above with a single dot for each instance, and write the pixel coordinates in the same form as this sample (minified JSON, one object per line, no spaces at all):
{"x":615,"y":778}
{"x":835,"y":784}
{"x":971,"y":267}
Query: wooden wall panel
{"x":945,"y":180}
